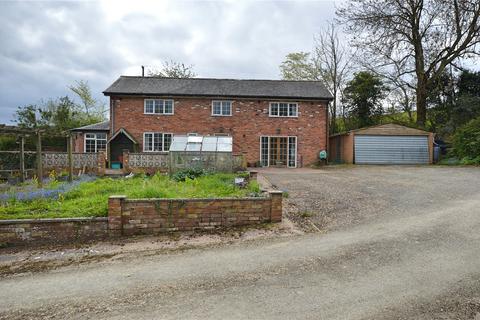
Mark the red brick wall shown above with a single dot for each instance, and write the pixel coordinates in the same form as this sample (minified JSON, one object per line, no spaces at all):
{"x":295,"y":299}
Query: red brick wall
{"x":145,"y":216}
{"x":78,"y":142}
{"x":41,"y":231}
{"x":151,"y":216}
{"x":248,"y":122}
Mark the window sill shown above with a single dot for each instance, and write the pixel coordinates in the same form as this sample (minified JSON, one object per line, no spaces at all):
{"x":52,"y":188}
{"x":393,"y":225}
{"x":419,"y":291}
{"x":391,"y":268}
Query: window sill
{"x":270,"y":116}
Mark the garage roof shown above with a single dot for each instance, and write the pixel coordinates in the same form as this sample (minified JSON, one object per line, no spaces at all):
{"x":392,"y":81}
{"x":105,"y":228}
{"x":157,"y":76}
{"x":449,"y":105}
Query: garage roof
{"x":391,"y":129}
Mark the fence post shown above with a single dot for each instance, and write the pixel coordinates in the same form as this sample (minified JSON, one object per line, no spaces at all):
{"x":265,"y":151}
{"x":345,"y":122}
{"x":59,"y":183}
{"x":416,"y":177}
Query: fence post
{"x":22,"y":158}
{"x":101,"y":163}
{"x":70,"y":157}
{"x":39,"y":159}
{"x":276,"y":205}
{"x":115,"y":207}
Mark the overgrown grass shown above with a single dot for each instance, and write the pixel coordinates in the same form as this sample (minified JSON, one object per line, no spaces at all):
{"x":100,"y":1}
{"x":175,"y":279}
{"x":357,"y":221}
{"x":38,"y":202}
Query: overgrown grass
{"x":89,"y":199}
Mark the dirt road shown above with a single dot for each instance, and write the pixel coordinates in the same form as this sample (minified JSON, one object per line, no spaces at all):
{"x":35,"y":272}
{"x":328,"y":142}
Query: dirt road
{"x":424,"y":264}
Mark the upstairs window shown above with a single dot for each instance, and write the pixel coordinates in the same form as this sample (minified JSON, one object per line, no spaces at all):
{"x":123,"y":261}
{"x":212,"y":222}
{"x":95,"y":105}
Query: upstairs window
{"x":221,"y":108}
{"x":95,"y":142}
{"x":156,"y":141}
{"x":158,"y":106}
{"x":283,"y":109}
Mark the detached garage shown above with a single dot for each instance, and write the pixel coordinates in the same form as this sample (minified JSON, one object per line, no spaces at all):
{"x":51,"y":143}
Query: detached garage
{"x":383,"y":144}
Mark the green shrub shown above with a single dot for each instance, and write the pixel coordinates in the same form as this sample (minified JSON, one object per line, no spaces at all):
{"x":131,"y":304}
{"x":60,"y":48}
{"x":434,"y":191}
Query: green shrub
{"x":466,"y":141}
{"x":450,"y":161}
{"x":243,"y":174}
{"x":8,"y":143}
{"x":192,"y":173}
{"x":470,"y":161}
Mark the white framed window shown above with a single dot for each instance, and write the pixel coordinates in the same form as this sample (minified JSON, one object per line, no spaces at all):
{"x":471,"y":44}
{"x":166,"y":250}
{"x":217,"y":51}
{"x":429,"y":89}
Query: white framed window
{"x":221,"y":108}
{"x":283,"y":109}
{"x":95,"y":142}
{"x":156,"y":141}
{"x":158,"y":106}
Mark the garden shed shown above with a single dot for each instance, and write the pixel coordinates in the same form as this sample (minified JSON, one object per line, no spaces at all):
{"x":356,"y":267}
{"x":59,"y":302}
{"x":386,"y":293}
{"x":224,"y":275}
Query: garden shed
{"x":203,"y":152}
{"x":382,"y":144}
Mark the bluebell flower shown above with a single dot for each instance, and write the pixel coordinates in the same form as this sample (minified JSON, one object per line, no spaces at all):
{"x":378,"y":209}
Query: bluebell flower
{"x":30,"y":192}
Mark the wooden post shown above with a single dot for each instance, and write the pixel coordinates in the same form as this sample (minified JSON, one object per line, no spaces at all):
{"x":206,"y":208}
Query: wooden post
{"x":22,"y":158}
{"x":70,"y":157}
{"x":39,"y":159}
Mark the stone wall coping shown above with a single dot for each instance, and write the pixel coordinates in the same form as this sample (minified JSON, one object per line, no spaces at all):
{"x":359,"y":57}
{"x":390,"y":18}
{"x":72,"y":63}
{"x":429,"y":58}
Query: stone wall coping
{"x":195,"y":199}
{"x":165,"y":153}
{"x":275,"y":191}
{"x":117,"y":197}
{"x":64,"y":152}
{"x":53,"y":220}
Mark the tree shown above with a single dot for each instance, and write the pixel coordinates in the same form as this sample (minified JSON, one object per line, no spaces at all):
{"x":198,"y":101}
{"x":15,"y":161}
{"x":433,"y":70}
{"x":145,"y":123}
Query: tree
{"x":402,"y":87}
{"x":467,"y":104}
{"x":454,"y":100}
{"x":466,"y":141}
{"x":330,"y":62}
{"x":362,"y":97}
{"x":172,"y":69}
{"x":441,"y":100}
{"x":333,"y":62}
{"x":423,"y":36}
{"x":55,"y":116}
{"x":299,"y":66}
{"x":90,"y":106}
{"x":31,"y":117}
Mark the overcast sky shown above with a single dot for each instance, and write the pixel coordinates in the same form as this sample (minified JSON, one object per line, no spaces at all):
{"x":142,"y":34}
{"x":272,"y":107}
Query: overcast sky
{"x":46,"y":46}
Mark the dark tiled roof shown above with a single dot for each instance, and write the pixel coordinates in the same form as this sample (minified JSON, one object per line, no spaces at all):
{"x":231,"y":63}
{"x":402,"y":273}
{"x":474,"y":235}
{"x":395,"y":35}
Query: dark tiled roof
{"x":219,"y":88}
{"x":101,"y":126}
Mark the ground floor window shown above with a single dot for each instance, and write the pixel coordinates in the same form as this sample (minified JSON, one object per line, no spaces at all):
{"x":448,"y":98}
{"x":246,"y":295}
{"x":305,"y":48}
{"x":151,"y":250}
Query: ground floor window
{"x":95,"y":142}
{"x":156,"y":141}
{"x":278,"y":151}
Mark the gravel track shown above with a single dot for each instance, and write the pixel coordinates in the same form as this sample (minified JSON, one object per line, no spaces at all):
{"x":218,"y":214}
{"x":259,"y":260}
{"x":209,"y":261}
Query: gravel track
{"x":413,"y":253}
{"x":338,"y":197}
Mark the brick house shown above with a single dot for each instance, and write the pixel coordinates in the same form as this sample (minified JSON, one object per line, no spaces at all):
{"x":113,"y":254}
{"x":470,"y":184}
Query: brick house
{"x":272,"y":122}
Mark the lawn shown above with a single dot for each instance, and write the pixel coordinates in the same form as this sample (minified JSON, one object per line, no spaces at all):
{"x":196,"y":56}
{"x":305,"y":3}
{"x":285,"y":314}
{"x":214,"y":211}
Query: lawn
{"x":89,"y":198}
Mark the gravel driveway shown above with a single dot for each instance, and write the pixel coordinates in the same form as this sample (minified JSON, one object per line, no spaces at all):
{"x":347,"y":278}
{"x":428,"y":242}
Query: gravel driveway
{"x":404,"y":243}
{"x":339,"y":197}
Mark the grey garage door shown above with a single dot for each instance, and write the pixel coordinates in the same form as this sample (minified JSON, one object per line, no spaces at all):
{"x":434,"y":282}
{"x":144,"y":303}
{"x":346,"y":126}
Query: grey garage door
{"x":391,"y":149}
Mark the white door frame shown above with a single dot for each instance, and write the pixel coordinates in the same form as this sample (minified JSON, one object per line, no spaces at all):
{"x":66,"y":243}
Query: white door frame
{"x":288,"y":148}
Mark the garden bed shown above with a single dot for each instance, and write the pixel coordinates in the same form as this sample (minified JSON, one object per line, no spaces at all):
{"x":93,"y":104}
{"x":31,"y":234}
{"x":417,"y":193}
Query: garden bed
{"x":90,"y":198}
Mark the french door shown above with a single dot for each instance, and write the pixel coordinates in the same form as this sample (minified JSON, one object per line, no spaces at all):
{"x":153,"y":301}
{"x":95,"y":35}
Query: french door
{"x":278,"y":151}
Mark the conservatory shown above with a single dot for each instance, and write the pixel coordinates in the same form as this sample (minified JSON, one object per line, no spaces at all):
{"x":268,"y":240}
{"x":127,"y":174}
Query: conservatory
{"x":203,"y":152}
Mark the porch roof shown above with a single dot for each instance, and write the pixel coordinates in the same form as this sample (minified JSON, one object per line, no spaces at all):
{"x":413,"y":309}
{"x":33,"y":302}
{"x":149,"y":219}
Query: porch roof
{"x":100,"y":126}
{"x":125,"y":132}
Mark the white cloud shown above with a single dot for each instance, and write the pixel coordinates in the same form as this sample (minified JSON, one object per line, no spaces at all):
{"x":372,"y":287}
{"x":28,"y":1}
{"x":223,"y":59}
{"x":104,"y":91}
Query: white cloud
{"x":46,"y":46}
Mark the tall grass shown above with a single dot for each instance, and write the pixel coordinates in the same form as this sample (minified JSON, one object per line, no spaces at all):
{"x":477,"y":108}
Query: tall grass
{"x":89,"y":199}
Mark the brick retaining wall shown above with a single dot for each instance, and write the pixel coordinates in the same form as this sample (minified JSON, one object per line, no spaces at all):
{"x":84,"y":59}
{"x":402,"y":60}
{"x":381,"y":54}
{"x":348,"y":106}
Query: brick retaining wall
{"x":150,"y":216}
{"x":146,"y":216}
{"x":61,"y":230}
